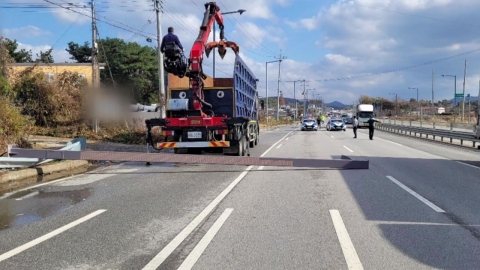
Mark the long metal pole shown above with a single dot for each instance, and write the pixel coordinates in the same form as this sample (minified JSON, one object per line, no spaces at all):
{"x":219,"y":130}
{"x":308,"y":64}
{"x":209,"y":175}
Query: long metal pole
{"x":161,"y":74}
{"x":433,"y":102}
{"x":295,"y":114}
{"x":94,"y":63}
{"x":278,"y":89}
{"x":463,"y":102}
{"x":266,"y":87}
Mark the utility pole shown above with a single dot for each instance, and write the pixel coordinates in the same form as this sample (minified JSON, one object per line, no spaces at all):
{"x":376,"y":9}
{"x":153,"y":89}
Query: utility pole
{"x":433,"y":101}
{"x":463,"y":102}
{"x":280,"y":58}
{"x":95,"y":69}
{"x":161,"y":74}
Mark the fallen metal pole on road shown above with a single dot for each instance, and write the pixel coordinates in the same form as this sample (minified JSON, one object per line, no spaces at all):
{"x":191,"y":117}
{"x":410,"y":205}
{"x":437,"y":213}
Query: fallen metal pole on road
{"x":343,"y":163}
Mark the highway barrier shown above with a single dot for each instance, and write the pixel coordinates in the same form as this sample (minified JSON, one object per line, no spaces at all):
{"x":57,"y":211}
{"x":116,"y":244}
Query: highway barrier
{"x":472,"y":136}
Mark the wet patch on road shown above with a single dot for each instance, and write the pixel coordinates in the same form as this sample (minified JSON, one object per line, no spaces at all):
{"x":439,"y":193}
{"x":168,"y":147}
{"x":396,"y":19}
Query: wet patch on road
{"x":32,"y":205}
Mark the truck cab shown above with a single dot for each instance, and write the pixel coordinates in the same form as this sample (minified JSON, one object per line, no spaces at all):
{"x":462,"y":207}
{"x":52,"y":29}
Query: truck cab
{"x":364,"y":112}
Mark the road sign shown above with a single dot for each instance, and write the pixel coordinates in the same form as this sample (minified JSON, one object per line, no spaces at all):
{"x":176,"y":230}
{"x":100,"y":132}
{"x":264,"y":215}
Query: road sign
{"x":458,"y":95}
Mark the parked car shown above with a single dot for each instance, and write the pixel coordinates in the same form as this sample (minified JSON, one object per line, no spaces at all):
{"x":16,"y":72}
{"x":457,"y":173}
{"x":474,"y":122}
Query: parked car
{"x":309,"y":124}
{"x":336,"y":124}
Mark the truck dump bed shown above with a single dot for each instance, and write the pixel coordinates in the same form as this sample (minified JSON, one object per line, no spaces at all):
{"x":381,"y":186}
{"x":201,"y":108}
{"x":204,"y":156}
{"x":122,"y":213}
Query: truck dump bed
{"x":232,"y":97}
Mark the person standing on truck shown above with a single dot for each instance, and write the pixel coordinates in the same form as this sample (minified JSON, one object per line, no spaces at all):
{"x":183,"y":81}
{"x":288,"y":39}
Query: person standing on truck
{"x":170,"y":38}
{"x":355,"y":126}
{"x":371,"y":127}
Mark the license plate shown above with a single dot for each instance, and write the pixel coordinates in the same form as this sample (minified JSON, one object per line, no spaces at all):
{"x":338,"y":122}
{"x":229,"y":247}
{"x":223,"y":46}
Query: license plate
{"x":194,"y":134}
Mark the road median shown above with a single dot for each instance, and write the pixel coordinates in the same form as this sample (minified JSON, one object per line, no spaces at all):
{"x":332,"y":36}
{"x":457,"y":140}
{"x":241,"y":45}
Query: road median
{"x":13,"y":180}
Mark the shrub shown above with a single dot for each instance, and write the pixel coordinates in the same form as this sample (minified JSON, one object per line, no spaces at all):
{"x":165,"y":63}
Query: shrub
{"x":13,"y":125}
{"x":51,"y":104}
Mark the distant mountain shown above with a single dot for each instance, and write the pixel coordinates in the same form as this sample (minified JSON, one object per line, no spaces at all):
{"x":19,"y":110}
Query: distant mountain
{"x":336,"y":105}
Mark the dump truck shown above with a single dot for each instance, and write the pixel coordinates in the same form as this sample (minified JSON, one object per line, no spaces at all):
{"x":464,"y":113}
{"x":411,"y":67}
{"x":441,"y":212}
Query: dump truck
{"x":214,"y":119}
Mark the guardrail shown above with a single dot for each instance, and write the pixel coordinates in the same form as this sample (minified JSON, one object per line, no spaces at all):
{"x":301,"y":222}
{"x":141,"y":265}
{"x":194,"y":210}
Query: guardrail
{"x":432,"y":125}
{"x":461,"y":136}
{"x":15,"y":162}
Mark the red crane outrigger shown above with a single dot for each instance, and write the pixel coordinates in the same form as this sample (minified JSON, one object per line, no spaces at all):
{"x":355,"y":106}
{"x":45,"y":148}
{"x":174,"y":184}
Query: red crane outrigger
{"x":195,"y":72}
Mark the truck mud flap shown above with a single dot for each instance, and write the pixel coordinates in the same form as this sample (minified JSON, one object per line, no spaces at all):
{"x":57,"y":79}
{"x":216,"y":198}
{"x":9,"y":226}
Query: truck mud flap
{"x":344,"y":162}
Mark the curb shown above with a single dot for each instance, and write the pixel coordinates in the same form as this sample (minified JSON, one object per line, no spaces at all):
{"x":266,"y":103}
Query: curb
{"x":12,"y":179}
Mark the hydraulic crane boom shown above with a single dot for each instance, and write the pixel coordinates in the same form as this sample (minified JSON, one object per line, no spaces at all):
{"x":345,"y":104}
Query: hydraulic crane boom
{"x":195,"y":72}
{"x":176,"y":63}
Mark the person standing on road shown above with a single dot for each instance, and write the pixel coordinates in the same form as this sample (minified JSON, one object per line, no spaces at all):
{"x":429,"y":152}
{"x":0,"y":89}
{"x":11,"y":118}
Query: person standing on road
{"x":355,"y":126}
{"x":371,"y":127}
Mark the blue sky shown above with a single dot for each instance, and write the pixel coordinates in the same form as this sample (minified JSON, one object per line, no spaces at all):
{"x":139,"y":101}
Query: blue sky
{"x":321,"y":39}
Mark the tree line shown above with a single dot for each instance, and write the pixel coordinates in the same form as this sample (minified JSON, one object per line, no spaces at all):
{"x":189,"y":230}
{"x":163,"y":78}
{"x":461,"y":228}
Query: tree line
{"x":411,"y":104}
{"x":129,"y":65}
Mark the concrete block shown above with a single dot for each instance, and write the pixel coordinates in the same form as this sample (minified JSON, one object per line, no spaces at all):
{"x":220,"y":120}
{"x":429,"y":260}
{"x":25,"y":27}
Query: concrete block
{"x":62,"y":166}
{"x":17,"y":175}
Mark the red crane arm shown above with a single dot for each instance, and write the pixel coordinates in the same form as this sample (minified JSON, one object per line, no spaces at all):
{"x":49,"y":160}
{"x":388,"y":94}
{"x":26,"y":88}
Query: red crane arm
{"x":212,"y":14}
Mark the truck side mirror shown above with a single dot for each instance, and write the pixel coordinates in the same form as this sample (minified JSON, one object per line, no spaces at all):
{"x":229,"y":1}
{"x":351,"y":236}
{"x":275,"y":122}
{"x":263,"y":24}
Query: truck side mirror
{"x":262,"y":104}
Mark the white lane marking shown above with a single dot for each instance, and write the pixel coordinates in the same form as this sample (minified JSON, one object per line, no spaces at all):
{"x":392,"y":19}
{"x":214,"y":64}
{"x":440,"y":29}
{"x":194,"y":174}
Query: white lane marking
{"x":287,"y":139}
{"x":91,"y":178}
{"x":261,"y":168}
{"x":332,"y":137}
{"x":469,"y":165}
{"x":351,"y":256}
{"x":416,"y":195}
{"x":206,"y":239}
{"x":348,"y":149}
{"x":393,"y":142}
{"x":279,"y":146}
{"x":271,"y":147}
{"x":168,"y":249}
{"x":49,"y":235}
{"x":29,"y":195}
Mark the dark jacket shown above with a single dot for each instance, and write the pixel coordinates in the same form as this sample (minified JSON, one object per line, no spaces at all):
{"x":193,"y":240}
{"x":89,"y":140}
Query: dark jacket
{"x":371,"y":123}
{"x":170,"y":37}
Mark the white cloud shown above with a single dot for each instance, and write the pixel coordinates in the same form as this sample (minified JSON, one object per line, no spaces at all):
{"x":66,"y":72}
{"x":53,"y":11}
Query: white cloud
{"x":59,"y":55}
{"x":24,"y":32}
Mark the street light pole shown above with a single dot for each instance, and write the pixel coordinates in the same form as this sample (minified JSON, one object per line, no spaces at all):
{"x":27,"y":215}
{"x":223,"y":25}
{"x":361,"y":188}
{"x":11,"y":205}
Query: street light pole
{"x":454,"y":94}
{"x":266,"y":83}
{"x":294,"y":97}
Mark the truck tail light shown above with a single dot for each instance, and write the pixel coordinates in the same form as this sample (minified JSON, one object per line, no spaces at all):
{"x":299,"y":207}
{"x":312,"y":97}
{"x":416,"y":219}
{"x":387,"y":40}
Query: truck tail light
{"x":222,"y":131}
{"x":168,"y":133}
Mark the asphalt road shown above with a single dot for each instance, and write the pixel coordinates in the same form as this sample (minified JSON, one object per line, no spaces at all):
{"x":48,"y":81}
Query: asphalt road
{"x":415,"y":208}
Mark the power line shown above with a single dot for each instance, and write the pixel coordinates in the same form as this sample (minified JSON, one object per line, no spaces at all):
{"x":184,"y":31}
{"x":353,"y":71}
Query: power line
{"x":96,"y":19}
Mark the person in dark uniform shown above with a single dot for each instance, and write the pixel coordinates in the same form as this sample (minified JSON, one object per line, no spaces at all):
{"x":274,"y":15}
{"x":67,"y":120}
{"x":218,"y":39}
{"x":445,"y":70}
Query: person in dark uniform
{"x":170,"y":38}
{"x":371,"y":127}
